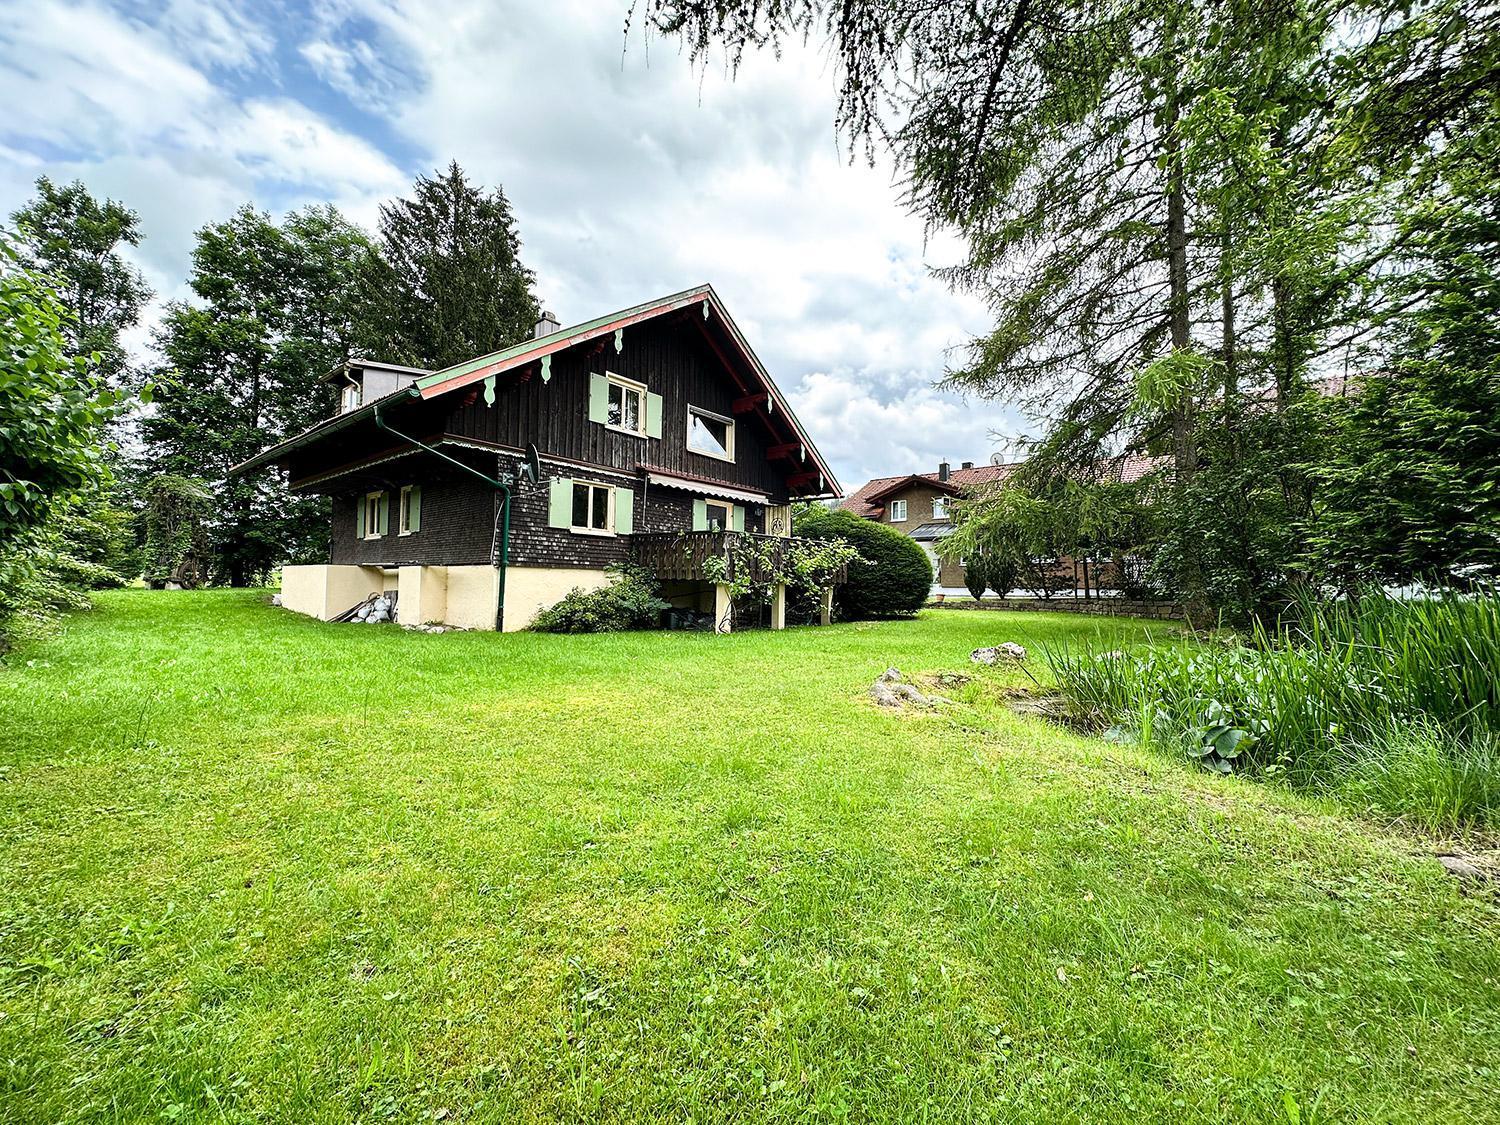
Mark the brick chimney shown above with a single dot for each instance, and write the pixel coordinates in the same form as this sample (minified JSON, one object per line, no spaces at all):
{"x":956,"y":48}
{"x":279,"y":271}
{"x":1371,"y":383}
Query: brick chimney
{"x":546,"y":326}
{"x":943,"y":469}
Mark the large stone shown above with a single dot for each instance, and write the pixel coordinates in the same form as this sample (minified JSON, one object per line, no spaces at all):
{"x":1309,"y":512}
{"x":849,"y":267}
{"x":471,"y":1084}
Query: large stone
{"x":996,"y":654}
{"x":1471,"y":874}
{"x":890,"y":689}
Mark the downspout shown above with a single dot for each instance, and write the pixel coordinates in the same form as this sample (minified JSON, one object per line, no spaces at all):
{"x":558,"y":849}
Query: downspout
{"x":503,"y":488}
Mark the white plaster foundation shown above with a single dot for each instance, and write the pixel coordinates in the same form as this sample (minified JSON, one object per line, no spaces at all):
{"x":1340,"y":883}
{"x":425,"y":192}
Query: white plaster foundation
{"x":465,"y":596}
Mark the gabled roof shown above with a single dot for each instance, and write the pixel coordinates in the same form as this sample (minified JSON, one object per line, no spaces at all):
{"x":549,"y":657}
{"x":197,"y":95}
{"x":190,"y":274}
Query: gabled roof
{"x":775,"y":409}
{"x":530,"y":351}
{"x":867,"y":500}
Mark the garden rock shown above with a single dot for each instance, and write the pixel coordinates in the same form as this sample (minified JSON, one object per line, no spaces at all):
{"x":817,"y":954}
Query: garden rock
{"x":890,"y":689}
{"x":1465,"y":871}
{"x":996,"y":654}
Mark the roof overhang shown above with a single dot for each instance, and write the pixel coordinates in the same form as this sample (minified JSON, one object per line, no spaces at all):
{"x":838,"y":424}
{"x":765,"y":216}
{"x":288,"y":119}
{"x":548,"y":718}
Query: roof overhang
{"x":321,"y":430}
{"x":355,"y":362}
{"x":931,"y":532}
{"x":909,"y":482}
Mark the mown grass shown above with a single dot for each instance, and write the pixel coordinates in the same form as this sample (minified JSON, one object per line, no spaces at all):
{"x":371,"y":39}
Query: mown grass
{"x":257,"y":868}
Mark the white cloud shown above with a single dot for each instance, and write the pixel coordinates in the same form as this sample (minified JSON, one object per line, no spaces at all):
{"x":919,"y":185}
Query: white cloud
{"x":140,"y":121}
{"x":631,"y":175}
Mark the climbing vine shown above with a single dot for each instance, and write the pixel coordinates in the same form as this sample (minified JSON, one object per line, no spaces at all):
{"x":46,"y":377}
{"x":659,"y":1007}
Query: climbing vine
{"x":752,"y":567}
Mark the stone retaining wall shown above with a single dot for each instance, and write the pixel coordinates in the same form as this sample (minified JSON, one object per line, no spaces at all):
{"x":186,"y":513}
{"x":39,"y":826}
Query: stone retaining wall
{"x":1104,"y":607}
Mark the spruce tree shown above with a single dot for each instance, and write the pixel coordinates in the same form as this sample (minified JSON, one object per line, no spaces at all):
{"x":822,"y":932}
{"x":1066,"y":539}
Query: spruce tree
{"x":449,"y":284}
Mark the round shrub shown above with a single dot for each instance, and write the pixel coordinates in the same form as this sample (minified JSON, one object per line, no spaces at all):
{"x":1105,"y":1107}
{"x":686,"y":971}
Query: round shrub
{"x":893,"y":575}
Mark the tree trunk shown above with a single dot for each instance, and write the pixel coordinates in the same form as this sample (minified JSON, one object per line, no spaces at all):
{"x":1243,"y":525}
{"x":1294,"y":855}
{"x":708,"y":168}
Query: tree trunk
{"x":1177,"y":278}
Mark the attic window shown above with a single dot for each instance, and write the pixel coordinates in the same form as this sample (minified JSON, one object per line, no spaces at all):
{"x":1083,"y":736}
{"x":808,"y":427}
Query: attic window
{"x":939,"y":507}
{"x":350,"y":398}
{"x":710,"y":434}
{"x":898,"y":511}
{"x":627,"y":405}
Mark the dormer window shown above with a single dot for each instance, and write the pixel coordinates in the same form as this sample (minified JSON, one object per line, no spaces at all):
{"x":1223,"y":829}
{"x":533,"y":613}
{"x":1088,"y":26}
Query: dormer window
{"x":350,"y":398}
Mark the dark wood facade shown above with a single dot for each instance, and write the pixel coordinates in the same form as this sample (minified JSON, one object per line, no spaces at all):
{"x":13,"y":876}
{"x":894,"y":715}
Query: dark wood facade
{"x":678,"y":356}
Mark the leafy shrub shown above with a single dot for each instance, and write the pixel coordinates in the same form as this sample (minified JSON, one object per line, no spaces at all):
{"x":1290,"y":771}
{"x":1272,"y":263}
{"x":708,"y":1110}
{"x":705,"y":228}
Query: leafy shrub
{"x":892,"y":577}
{"x":631,"y":601}
{"x":1328,"y":701}
{"x":177,"y":546}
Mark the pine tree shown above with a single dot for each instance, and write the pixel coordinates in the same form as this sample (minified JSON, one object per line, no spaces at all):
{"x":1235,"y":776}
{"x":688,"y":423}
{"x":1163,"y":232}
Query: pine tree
{"x":449,"y":284}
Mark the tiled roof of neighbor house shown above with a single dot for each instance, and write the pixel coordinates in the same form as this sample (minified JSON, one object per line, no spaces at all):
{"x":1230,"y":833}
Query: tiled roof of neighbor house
{"x":865,"y":500}
{"x":868,"y":500}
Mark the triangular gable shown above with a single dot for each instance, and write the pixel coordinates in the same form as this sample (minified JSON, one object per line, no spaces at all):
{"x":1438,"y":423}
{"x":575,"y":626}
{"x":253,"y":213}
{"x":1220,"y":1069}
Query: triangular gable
{"x":519,"y":355}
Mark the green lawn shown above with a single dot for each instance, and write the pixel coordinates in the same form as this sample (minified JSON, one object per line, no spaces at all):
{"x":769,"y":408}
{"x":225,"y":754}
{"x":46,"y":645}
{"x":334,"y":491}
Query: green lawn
{"x":254,"y":867}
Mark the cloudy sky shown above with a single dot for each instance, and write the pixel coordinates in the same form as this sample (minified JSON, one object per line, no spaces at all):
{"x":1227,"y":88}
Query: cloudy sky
{"x":631,"y":174}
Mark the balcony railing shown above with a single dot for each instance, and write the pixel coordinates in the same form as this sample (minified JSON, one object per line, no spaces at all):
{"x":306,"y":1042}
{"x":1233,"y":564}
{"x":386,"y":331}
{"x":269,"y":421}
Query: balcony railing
{"x":680,"y":557}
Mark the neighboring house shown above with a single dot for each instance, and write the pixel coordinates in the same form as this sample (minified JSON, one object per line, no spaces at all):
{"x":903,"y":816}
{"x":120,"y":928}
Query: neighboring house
{"x":917,"y":504}
{"x":657,"y":431}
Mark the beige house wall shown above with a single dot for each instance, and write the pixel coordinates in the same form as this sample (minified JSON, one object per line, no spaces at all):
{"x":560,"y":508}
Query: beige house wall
{"x":424,"y":594}
{"x":473,"y":594}
{"x":324,"y":591}
{"x":466,"y":596}
{"x":530,"y":589}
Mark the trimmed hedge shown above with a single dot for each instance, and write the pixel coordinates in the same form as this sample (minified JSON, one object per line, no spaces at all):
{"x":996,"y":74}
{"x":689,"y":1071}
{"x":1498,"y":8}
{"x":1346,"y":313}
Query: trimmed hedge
{"x":892,"y":577}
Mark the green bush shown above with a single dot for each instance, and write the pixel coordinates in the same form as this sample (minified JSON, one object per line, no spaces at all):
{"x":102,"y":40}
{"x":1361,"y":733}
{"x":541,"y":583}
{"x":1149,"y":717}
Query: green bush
{"x":1395,"y":701}
{"x":892,"y":576}
{"x":631,"y":601}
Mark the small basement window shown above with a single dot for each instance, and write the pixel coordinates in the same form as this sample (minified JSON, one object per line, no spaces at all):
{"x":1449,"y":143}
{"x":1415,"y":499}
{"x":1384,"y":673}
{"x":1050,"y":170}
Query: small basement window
{"x":591,"y":508}
{"x":627,"y":405}
{"x":710,"y":434}
{"x":898,"y":511}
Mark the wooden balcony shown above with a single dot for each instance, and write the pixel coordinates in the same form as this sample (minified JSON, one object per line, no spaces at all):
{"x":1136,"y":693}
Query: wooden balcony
{"x":680,"y":557}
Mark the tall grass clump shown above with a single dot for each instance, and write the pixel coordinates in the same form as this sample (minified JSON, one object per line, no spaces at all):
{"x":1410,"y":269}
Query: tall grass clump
{"x":1394,"y":702}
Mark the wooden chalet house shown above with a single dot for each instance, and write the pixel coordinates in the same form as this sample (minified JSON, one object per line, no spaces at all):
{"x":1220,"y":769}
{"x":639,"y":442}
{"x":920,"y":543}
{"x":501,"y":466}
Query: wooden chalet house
{"x":657,"y":431}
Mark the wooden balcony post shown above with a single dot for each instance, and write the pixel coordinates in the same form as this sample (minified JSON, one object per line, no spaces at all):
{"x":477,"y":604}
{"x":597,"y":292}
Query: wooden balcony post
{"x":723,"y":609}
{"x":778,"y":606}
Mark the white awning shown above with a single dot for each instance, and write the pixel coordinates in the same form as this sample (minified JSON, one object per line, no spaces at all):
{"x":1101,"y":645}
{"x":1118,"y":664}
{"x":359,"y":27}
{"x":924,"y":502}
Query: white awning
{"x":707,"y":488}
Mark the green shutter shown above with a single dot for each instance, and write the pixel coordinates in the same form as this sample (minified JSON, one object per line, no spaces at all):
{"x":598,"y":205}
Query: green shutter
{"x":414,"y":507}
{"x":359,"y":516}
{"x":653,"y":415}
{"x":385,"y":512}
{"x":560,"y":503}
{"x":624,"y":511}
{"x":737,"y":519}
{"x":700,"y":515}
{"x":598,"y":398}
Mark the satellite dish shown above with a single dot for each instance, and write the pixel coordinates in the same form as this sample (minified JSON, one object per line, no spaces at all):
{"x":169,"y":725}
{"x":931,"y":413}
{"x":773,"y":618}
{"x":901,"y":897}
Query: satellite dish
{"x":531,"y":468}
{"x":997,"y":458}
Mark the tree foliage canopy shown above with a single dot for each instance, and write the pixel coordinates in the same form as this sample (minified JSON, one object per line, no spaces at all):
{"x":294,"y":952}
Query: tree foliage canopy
{"x":448,"y":284}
